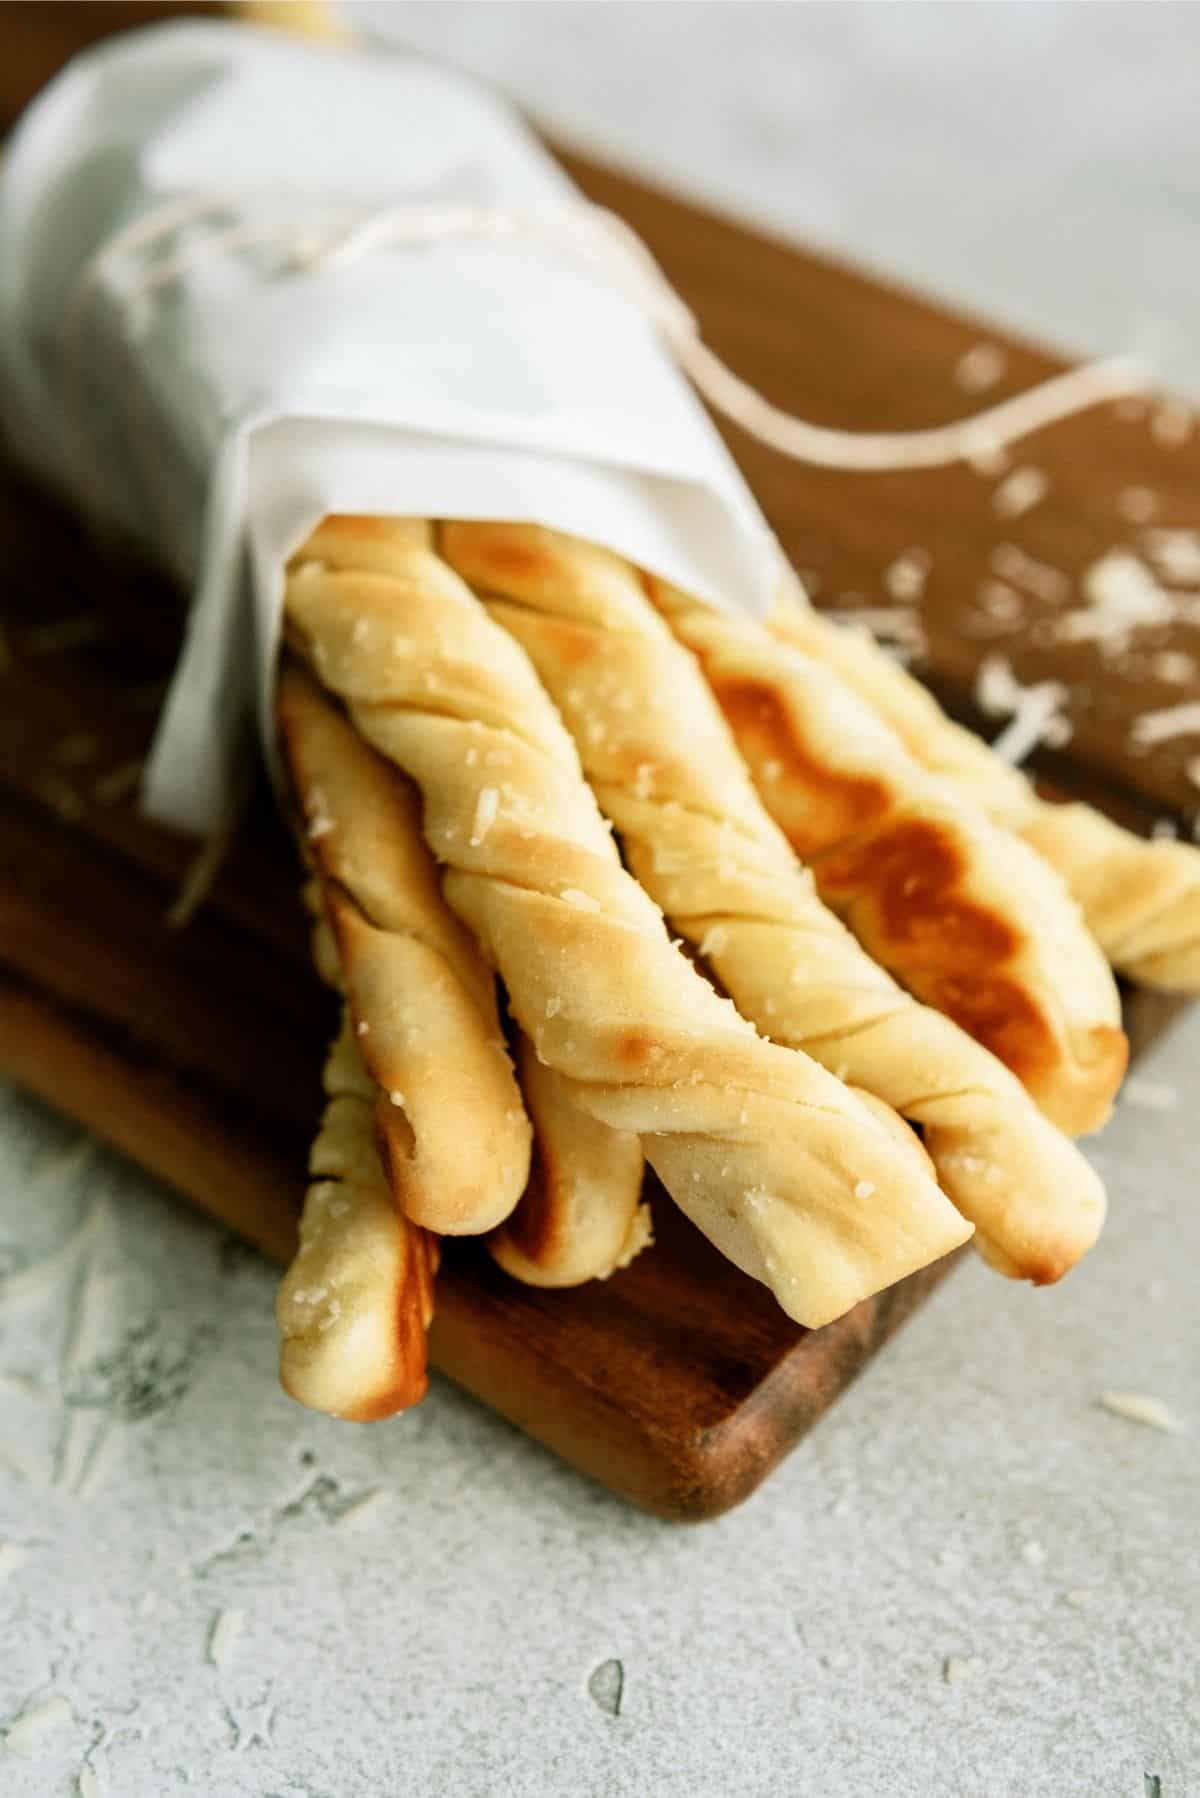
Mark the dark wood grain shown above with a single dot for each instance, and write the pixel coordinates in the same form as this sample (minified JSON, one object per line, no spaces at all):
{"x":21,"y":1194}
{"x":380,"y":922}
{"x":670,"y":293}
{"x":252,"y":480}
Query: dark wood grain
{"x":678,"y":1383}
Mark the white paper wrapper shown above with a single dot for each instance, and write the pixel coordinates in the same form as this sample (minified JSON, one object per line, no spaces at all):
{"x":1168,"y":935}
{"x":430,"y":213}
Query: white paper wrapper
{"x":208,"y":395}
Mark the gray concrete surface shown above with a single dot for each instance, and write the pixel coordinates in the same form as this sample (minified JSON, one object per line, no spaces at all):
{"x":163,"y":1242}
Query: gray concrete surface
{"x":972,"y":1579}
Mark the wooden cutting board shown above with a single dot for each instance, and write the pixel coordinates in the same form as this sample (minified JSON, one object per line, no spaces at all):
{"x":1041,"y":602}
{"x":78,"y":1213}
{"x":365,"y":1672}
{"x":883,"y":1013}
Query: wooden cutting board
{"x":678,"y":1383}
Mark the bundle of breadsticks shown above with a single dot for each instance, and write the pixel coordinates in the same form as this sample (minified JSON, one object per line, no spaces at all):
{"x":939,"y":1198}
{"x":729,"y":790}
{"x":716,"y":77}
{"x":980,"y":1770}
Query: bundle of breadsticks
{"x":759,"y":913}
{"x":614,"y":864}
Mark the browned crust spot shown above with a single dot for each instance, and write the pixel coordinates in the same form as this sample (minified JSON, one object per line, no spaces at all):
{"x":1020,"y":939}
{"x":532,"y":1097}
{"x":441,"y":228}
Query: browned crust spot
{"x":532,"y":1229}
{"x":913,"y":873}
{"x":500,"y":554}
{"x":414,"y":1313}
{"x":813,"y":804}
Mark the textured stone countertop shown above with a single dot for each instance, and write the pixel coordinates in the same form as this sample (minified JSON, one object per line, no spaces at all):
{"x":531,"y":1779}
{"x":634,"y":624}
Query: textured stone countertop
{"x":971,"y":1579}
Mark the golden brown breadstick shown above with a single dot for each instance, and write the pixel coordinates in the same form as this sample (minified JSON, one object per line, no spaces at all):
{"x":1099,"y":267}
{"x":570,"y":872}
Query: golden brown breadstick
{"x":771,"y":1156}
{"x":661,"y":760}
{"x":965,"y":915}
{"x":1141,"y":899}
{"x":580,"y":1217}
{"x":455,"y":1135}
{"x":354,"y":1307}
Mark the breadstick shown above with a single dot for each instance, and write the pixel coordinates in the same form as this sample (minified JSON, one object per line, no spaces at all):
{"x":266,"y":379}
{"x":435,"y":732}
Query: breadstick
{"x":579,"y":1217}
{"x":662,"y":762}
{"x":1141,"y":899}
{"x":354,"y":1306}
{"x":454,"y":1132}
{"x":785,"y":1171}
{"x":965,"y":915}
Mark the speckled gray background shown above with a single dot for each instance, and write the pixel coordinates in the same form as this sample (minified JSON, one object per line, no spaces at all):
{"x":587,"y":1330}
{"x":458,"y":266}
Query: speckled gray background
{"x":434,"y":1605}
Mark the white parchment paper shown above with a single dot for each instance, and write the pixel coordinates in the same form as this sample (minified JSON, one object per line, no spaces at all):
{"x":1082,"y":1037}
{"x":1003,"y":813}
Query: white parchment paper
{"x":208,"y":392}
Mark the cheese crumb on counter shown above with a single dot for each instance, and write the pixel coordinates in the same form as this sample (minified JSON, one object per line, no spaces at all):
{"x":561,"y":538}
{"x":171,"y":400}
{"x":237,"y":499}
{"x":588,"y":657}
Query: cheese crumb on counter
{"x":22,"y":1734}
{"x":224,"y":1637}
{"x":1140,"y":1407}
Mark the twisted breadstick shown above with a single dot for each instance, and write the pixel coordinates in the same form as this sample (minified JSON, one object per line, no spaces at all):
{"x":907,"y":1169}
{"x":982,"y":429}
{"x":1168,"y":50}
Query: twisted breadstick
{"x":355,"y":1304}
{"x":454,"y":1132}
{"x":966,"y":916}
{"x":787,"y":1173}
{"x":1141,"y":899}
{"x":661,"y":761}
{"x":579,"y":1217}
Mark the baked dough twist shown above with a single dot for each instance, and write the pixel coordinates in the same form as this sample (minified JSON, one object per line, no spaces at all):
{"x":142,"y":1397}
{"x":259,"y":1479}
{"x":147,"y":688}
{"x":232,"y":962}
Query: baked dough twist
{"x":664,"y":767}
{"x":1141,"y":899}
{"x":579,"y":1217}
{"x":964,"y":914}
{"x":454,"y":1133}
{"x":354,"y":1306}
{"x":773,"y":1158}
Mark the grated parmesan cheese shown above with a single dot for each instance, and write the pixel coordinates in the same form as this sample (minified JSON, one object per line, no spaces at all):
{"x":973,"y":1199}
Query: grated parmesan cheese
{"x":1020,"y":492}
{"x":1013,"y":564}
{"x":1176,"y":553}
{"x":905,"y":578}
{"x":359,"y":1509}
{"x":22,"y":1734}
{"x":1035,"y":711}
{"x":1122,"y":595}
{"x":224,"y":1637}
{"x":1001,"y":602}
{"x":487,"y":807}
{"x":1170,"y":721}
{"x":981,"y":367}
{"x":1174,"y":667}
{"x":714,"y":941}
{"x":1139,"y":1407}
{"x":201,"y":876}
{"x":1171,"y":423}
